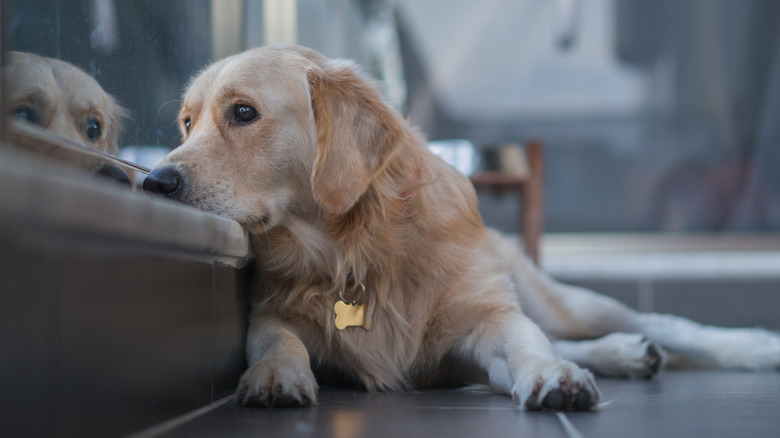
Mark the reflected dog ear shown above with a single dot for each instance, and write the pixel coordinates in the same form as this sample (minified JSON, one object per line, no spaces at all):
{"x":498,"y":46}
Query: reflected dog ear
{"x":116,"y":117}
{"x":356,"y":134}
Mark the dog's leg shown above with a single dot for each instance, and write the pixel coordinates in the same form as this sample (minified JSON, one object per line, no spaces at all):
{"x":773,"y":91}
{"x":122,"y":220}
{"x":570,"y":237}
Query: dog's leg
{"x":615,"y":355}
{"x":520,"y":362}
{"x":730,"y":348}
{"x":279,"y":373}
{"x":594,"y":331}
{"x":562,"y":311}
{"x":573,"y":313}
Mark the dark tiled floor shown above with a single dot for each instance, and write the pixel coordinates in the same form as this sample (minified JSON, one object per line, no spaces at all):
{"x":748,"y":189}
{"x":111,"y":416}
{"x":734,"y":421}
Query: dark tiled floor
{"x":676,"y":404}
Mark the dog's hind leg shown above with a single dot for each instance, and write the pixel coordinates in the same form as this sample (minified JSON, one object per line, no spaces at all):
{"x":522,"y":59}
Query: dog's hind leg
{"x":562,"y":311}
{"x":591,"y":330}
{"x":573,"y":313}
{"x":629,"y":355}
{"x":730,"y":348}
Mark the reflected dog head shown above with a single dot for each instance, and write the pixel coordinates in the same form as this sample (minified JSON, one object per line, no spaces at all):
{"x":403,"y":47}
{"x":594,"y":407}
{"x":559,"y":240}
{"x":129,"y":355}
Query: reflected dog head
{"x":66,"y":101}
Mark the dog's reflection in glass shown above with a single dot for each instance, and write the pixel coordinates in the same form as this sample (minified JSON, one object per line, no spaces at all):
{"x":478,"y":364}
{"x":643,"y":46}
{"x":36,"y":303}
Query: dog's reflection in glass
{"x":65,"y":101}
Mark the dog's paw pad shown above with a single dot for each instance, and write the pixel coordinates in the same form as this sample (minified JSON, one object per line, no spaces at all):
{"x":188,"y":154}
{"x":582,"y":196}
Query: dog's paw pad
{"x":560,"y":385}
{"x":555,"y":400}
{"x":584,"y":401}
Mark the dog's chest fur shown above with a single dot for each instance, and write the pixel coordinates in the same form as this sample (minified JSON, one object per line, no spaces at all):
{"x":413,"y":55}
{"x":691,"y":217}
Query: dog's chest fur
{"x":415,"y":323}
{"x":414,"y":256}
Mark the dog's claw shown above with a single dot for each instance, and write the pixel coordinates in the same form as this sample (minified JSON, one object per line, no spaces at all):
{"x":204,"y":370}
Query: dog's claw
{"x":654,"y":359}
{"x":560,"y":385}
{"x":277,"y":382}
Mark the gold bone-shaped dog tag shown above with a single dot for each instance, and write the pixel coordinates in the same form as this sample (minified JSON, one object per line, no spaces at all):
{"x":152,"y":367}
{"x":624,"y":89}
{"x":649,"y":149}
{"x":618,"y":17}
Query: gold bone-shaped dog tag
{"x":350,"y":315}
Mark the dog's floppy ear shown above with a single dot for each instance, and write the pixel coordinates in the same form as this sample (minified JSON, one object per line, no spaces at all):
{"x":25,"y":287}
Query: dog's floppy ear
{"x":356,"y":134}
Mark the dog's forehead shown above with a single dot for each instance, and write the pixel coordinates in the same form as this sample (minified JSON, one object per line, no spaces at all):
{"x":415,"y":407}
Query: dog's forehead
{"x":42,"y":79}
{"x":78,"y":87}
{"x":27,"y":75}
{"x":261,"y":72}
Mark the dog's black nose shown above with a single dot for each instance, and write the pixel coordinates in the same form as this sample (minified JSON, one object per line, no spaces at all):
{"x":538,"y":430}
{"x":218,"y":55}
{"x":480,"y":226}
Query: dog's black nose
{"x":164,"y":180}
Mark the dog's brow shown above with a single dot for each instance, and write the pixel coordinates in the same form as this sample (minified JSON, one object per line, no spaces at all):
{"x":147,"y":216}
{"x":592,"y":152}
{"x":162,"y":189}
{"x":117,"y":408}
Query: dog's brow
{"x":37,"y":97}
{"x":191,"y":105}
{"x":86,"y":106}
{"x":236,"y":95}
{"x":194,"y":98}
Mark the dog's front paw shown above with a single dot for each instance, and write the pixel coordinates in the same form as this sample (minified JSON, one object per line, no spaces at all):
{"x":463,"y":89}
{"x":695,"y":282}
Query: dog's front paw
{"x":557,"y":385}
{"x":277,"y":382}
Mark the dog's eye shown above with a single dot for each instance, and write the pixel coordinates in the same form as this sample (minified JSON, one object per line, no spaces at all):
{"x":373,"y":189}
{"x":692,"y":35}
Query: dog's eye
{"x":244,"y":113}
{"x":187,"y":124}
{"x":92,"y":129}
{"x":26,"y":113}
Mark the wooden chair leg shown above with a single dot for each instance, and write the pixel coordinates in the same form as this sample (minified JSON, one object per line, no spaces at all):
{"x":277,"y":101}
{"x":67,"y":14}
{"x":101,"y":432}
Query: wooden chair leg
{"x":532,"y":208}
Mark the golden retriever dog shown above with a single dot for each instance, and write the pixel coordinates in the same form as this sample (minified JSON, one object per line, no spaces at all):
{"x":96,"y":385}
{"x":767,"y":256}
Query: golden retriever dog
{"x":66,"y":101}
{"x":374,"y":264}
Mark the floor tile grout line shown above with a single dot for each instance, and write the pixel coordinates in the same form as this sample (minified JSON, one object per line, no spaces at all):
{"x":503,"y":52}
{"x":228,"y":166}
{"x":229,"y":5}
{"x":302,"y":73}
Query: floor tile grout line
{"x":569,"y":428}
{"x":175,"y":422}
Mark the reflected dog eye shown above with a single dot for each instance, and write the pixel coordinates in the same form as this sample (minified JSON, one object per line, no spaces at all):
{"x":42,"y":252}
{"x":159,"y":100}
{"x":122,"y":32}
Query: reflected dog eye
{"x":93,"y":129}
{"x":26,"y":113}
{"x":187,"y":123}
{"x":244,"y":113}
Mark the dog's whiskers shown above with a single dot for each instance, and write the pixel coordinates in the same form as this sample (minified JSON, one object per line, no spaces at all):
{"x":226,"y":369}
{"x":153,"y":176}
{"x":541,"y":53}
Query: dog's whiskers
{"x":253,"y":222}
{"x":159,"y":109}
{"x":302,"y":209}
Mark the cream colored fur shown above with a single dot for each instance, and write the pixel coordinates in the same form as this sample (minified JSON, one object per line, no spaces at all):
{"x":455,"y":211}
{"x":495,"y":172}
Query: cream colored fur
{"x":63,"y":99}
{"x":338,"y":191}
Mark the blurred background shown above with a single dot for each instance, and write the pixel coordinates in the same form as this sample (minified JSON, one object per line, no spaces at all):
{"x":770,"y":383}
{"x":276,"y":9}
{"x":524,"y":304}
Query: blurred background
{"x":657,"y":115}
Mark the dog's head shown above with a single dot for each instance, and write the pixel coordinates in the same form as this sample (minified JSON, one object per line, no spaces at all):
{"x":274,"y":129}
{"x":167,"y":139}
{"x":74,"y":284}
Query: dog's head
{"x":278,"y":131}
{"x":64,"y":100}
